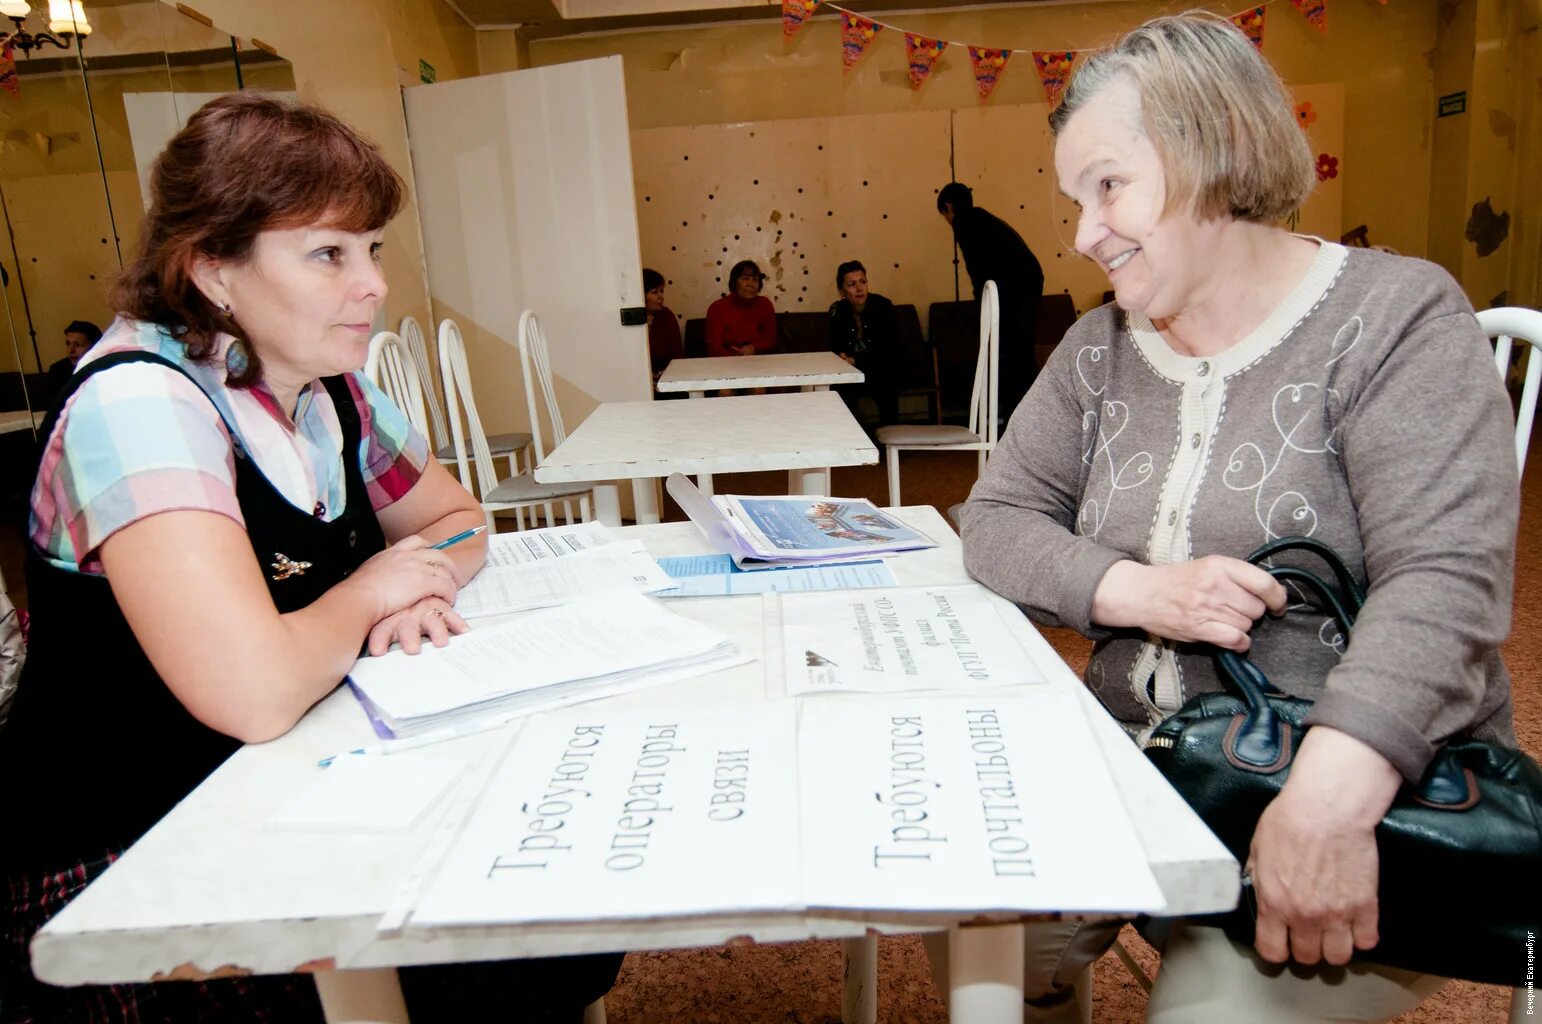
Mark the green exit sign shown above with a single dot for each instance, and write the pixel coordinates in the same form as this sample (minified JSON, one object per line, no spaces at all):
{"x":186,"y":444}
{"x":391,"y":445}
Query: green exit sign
{"x":1454,"y":103}
{"x":426,"y":71}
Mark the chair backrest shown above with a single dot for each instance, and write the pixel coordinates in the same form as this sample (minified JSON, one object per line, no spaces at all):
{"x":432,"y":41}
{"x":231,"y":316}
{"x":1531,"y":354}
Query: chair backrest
{"x":695,"y":342}
{"x":982,"y":401}
{"x":533,"y":357}
{"x":391,"y":367}
{"x":457,"y":395}
{"x":1505,"y":324}
{"x":412,"y":334}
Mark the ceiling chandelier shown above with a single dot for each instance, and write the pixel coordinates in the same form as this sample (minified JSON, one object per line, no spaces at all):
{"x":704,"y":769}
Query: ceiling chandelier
{"x":66,"y":24}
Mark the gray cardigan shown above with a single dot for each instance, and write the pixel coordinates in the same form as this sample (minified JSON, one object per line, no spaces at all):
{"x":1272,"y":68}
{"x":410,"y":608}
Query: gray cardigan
{"x":1364,"y":412}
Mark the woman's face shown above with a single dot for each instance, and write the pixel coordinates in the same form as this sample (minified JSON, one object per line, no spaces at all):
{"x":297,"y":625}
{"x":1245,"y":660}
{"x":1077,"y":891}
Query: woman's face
{"x":747,"y":284}
{"x":306,"y":299}
{"x":854,"y":288}
{"x":653,"y":299}
{"x":1110,"y":169}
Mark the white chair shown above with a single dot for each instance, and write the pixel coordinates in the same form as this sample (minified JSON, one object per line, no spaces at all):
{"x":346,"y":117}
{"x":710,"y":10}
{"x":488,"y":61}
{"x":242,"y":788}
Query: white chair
{"x":518,"y":491}
{"x":1513,"y":323}
{"x":510,"y":446}
{"x":980,"y":435}
{"x":391,"y":367}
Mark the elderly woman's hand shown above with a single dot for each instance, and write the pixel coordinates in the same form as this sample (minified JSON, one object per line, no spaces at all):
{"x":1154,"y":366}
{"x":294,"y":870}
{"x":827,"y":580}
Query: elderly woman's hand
{"x":431,"y":617}
{"x":1214,"y":599}
{"x":1313,"y":860}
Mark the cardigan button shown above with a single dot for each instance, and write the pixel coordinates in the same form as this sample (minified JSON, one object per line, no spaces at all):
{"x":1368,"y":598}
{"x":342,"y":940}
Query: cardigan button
{"x":1194,"y":441}
{"x":1204,"y":369}
{"x":1172,"y":518}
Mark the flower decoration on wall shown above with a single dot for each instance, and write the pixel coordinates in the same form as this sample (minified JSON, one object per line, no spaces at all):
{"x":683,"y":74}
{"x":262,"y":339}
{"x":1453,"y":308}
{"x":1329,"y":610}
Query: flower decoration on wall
{"x":1305,"y":115}
{"x":1327,"y":167}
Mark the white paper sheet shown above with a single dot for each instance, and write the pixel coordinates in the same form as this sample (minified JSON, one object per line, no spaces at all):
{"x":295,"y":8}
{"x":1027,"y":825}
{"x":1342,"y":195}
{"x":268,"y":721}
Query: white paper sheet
{"x":993,"y":802}
{"x":541,"y":545}
{"x":501,"y":588}
{"x":628,"y":813}
{"x":901,"y":639}
{"x":599,"y":638}
{"x":368,"y":793}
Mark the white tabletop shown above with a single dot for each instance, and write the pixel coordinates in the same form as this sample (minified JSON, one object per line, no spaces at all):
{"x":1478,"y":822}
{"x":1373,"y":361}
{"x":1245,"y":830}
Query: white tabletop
{"x":210,"y":886}
{"x":742,"y":433}
{"x":779,"y":370}
{"x":20,"y":419}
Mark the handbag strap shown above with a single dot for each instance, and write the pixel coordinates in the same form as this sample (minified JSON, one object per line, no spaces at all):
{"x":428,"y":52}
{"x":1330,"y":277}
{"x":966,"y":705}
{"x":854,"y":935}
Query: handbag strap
{"x":1354,"y":594}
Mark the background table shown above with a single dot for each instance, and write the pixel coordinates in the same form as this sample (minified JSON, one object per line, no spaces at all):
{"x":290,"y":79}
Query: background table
{"x":811,"y":371}
{"x":209,"y":886}
{"x":641,"y":441}
{"x":20,"y":419}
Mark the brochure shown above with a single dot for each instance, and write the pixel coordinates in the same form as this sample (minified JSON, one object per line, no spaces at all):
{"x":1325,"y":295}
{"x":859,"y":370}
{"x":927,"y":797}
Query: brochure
{"x":761,"y":531}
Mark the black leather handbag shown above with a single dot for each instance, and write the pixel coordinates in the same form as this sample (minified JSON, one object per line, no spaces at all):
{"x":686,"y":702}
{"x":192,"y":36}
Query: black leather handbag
{"x":1460,"y":853}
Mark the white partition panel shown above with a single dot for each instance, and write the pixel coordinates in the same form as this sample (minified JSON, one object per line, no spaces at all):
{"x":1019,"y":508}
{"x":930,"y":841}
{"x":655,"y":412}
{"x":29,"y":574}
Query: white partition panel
{"x":524,"y":187}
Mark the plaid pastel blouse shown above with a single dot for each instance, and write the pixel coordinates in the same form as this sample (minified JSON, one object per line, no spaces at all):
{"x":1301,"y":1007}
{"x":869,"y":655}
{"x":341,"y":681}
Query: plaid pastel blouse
{"x":142,"y":439}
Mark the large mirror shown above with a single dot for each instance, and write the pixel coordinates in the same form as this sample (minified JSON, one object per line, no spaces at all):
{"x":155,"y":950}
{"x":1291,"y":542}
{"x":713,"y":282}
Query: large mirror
{"x":79,"y":127}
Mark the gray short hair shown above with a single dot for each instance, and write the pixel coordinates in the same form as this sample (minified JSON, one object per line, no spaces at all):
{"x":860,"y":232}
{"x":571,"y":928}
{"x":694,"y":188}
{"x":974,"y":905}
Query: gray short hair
{"x":1216,"y":112}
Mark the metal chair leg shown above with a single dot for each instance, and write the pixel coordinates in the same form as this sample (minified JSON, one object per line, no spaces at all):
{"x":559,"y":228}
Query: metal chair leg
{"x":891,"y":457}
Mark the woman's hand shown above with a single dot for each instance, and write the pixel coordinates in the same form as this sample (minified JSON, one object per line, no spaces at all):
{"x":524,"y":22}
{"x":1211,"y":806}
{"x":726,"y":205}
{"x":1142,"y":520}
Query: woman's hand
{"x":403,"y":575}
{"x":849,"y":359}
{"x":1313,"y":860}
{"x":745,"y":350}
{"x":431,"y":617}
{"x":1214,"y":599}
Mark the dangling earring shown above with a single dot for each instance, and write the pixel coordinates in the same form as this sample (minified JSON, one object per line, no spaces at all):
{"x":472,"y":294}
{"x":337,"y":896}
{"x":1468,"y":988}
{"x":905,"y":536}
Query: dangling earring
{"x":225,"y":308}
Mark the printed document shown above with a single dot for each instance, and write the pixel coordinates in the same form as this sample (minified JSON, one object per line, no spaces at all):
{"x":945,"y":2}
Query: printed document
{"x":905,"y":638}
{"x":629,"y":813}
{"x":598,"y":646}
{"x":500,"y":588}
{"x":551,"y":542}
{"x":718,"y":576}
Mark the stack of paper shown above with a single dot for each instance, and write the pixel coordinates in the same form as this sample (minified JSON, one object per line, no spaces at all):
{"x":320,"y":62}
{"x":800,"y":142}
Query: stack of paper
{"x":794,"y":529}
{"x":599,"y":646}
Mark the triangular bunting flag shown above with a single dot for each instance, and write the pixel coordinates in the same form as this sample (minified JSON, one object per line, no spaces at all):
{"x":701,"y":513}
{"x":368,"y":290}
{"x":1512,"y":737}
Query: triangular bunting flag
{"x":922,"y":54}
{"x":8,"y":80}
{"x":795,"y":13}
{"x":989,"y":66}
{"x":1054,"y":71}
{"x":857,"y":35}
{"x":1251,"y":23}
{"x":1316,"y":12}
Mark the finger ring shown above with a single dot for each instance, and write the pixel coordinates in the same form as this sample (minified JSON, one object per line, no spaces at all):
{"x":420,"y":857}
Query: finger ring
{"x":435,"y":565}
{"x":439,"y":612}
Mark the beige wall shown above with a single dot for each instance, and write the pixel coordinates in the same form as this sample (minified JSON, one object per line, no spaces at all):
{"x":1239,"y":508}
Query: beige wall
{"x":741,"y":73}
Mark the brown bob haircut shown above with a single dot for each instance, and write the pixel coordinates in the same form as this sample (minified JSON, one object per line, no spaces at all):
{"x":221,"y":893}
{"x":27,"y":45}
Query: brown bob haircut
{"x":245,"y":163}
{"x":1216,"y":112}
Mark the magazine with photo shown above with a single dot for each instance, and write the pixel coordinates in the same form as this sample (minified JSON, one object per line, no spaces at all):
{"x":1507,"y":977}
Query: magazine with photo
{"x":761,"y":531}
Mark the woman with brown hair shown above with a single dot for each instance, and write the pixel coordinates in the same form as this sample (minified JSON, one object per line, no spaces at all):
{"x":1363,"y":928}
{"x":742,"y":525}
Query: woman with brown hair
{"x":225,"y":512}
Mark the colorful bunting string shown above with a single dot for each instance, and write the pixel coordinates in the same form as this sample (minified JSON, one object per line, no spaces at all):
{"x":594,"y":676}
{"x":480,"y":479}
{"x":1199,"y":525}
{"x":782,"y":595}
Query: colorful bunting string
{"x":795,"y":14}
{"x":989,"y":64}
{"x":1251,"y":22}
{"x":857,"y":34}
{"x":1316,"y":12}
{"x":1054,"y":71}
{"x":921,"y":54}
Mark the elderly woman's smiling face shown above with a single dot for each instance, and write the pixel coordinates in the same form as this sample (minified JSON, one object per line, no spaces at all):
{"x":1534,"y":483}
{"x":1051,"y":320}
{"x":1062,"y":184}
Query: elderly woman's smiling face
{"x":1110,"y":169}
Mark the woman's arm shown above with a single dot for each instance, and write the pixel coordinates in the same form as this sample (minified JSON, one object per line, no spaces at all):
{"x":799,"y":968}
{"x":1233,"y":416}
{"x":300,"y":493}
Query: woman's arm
{"x":435,"y":508}
{"x":195,"y":598}
{"x":717,"y":330}
{"x":765,"y":324}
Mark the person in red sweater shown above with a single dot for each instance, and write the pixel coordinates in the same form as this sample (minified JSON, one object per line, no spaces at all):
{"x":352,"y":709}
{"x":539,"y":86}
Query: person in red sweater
{"x":663,"y":329}
{"x":743,"y":322}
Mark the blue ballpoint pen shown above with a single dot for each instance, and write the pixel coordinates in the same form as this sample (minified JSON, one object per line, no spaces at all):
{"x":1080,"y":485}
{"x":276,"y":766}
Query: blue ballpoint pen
{"x":463,"y":535}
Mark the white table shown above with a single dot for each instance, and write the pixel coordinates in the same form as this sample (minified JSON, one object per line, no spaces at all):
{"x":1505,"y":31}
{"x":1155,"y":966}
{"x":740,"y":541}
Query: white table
{"x":209,"y":886}
{"x":20,"y":419}
{"x":811,"y":371}
{"x":641,"y":441}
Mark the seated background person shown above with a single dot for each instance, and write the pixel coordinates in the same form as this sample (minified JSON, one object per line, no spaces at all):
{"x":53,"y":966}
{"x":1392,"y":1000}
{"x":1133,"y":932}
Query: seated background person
{"x":79,"y":336}
{"x":226,"y":511}
{"x":743,"y":322}
{"x":863,"y":332}
{"x":1248,"y":384}
{"x":663,"y":328}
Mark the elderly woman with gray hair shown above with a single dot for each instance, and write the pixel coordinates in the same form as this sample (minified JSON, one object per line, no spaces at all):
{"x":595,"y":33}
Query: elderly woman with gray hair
{"x":1248,"y":383}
